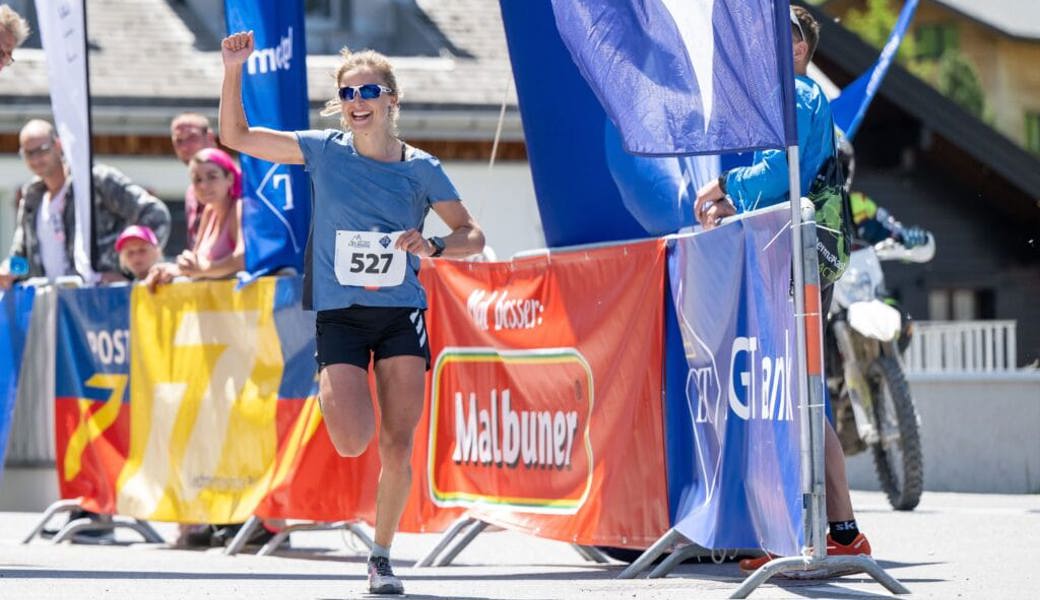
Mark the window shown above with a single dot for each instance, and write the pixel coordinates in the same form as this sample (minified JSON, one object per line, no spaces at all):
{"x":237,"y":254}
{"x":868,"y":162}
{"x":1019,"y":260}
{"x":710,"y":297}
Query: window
{"x":961,"y":304}
{"x":932,"y":40}
{"x":1033,"y":131}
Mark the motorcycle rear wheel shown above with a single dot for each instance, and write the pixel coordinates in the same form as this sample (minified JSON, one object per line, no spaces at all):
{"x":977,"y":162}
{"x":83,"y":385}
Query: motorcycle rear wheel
{"x":897,"y":455}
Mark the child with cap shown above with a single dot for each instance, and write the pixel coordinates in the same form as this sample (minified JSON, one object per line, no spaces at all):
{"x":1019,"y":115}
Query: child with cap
{"x":138,"y":249}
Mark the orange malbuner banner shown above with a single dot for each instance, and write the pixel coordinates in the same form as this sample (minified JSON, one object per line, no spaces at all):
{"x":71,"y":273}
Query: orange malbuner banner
{"x":544,"y":411}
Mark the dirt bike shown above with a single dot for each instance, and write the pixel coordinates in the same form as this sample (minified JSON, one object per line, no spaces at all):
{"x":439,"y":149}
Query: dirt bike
{"x":870,"y":396}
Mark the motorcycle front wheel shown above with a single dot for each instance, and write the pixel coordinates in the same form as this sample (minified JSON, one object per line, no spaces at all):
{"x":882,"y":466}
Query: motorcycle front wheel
{"x":897,"y":455}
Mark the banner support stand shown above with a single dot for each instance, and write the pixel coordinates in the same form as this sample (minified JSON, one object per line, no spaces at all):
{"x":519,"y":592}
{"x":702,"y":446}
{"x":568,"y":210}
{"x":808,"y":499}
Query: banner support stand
{"x":662,"y":545}
{"x":254,"y":522}
{"x":809,"y":332}
{"x":469,"y":528}
{"x":103,"y":523}
{"x":591,"y":554}
{"x":681,"y":548}
{"x":449,"y":535}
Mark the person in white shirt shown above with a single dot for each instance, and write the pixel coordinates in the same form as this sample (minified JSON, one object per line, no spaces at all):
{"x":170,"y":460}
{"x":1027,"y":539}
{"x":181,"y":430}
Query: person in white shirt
{"x":44,"y":238}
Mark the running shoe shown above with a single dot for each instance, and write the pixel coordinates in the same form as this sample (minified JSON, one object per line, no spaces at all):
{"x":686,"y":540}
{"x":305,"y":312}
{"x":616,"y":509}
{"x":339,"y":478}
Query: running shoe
{"x":381,"y":578}
{"x":858,"y":546}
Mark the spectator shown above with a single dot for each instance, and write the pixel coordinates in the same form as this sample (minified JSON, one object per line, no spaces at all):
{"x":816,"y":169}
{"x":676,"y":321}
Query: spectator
{"x":189,"y":133}
{"x":219,"y":249}
{"x":138,"y":250}
{"x":764,"y":183}
{"x":13,"y":31}
{"x":45,"y":232}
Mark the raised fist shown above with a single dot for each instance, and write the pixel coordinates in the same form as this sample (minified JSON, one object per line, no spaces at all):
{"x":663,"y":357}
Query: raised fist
{"x":236,"y":48}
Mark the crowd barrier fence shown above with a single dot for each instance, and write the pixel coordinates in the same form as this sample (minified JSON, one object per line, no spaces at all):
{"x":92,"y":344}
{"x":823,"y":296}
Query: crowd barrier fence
{"x":544,"y":412}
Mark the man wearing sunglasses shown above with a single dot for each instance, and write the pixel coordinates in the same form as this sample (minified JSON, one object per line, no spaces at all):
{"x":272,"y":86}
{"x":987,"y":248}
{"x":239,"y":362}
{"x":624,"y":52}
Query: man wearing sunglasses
{"x":765,"y":183}
{"x":13,"y":31}
{"x":46,"y":223}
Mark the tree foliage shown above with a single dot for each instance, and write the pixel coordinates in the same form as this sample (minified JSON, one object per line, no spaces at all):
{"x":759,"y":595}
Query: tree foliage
{"x":875,"y":23}
{"x":958,"y":81}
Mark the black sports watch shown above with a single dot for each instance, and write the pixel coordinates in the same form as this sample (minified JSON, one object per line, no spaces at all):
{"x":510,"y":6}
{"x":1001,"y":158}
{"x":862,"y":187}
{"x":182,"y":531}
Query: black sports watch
{"x":438,"y":245}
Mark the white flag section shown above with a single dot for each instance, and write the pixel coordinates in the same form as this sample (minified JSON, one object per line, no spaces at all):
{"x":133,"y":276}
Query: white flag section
{"x":62,"y":26}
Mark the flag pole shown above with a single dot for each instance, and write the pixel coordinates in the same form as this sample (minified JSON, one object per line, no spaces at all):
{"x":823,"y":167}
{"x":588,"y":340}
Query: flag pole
{"x":92,"y":253}
{"x":809,"y":341}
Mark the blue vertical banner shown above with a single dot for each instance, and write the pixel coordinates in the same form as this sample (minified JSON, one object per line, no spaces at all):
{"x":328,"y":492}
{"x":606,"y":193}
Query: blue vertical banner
{"x":850,"y":107}
{"x":277,"y":210}
{"x":737,"y":392}
{"x":15,"y":309}
{"x":588,"y":188}
{"x":686,"y":76}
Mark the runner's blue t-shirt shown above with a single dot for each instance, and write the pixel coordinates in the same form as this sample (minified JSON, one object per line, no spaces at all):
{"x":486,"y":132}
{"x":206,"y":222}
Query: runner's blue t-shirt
{"x":353,"y":195}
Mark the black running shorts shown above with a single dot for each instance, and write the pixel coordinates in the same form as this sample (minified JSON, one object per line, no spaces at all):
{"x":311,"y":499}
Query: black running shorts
{"x":356,"y":335}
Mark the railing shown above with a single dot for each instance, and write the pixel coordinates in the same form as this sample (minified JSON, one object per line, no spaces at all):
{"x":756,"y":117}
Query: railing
{"x":962,"y":347}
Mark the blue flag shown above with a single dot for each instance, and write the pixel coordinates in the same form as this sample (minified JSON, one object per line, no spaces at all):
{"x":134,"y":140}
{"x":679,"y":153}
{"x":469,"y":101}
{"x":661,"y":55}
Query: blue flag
{"x":687,"y":76}
{"x":851,"y":106}
{"x":15,"y":310}
{"x":277,"y":210}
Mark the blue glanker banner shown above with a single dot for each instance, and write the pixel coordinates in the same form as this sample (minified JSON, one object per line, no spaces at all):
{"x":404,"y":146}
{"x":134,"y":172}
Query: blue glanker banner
{"x":277,"y":209}
{"x":15,"y":310}
{"x":734,"y":473}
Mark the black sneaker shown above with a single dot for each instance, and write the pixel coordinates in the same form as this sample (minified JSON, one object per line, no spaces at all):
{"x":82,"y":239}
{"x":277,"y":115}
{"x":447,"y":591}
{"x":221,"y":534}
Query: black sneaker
{"x":381,"y":578}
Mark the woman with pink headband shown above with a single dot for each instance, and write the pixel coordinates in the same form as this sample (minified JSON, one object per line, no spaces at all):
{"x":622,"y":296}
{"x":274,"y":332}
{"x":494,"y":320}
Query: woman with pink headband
{"x":219,"y":249}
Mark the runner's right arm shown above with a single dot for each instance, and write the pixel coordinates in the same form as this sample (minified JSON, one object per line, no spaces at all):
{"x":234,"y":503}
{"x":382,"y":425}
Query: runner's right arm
{"x":235,"y":132}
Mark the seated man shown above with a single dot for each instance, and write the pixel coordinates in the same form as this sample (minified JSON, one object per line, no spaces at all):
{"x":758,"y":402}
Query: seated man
{"x":46,"y":225}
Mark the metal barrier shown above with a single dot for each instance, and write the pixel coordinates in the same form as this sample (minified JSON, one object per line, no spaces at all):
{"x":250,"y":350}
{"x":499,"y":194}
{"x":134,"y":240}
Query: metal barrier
{"x":962,"y":347}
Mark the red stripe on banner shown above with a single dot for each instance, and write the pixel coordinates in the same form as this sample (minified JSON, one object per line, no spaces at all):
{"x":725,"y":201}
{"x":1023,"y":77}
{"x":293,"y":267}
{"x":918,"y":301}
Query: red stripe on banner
{"x":318,"y":484}
{"x":97,"y":466}
{"x":813,"y":343}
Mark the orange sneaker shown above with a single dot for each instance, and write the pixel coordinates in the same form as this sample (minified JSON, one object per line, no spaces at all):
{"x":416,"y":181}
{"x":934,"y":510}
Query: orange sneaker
{"x":860,"y":545}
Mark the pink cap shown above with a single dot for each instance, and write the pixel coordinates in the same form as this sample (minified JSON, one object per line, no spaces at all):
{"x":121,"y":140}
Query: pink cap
{"x":136,"y":232}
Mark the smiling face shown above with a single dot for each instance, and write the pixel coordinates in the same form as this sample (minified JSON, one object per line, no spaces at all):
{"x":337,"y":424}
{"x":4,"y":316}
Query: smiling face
{"x":367,"y":116}
{"x":211,"y":183}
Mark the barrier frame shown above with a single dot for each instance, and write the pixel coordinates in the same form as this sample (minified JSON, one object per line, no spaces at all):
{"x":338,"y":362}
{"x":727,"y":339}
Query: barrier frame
{"x":238,"y":543}
{"x":466,"y":528}
{"x":814,"y":561}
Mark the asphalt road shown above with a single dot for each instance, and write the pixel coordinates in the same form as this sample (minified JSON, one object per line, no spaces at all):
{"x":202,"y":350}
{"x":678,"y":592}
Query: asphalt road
{"x":952,"y":546}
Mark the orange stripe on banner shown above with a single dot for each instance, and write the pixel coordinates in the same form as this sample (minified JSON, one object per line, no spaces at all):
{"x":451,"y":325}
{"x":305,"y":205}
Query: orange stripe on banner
{"x":813,"y":354}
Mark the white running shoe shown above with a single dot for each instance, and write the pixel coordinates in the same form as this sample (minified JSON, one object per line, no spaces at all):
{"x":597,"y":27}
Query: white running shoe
{"x":381,"y":578}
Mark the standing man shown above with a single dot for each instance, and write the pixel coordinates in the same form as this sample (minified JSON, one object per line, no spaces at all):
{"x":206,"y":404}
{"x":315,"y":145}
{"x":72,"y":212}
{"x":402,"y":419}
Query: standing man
{"x":190,"y":132}
{"x":45,"y":232}
{"x":13,"y":31}
{"x":765,"y":183}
